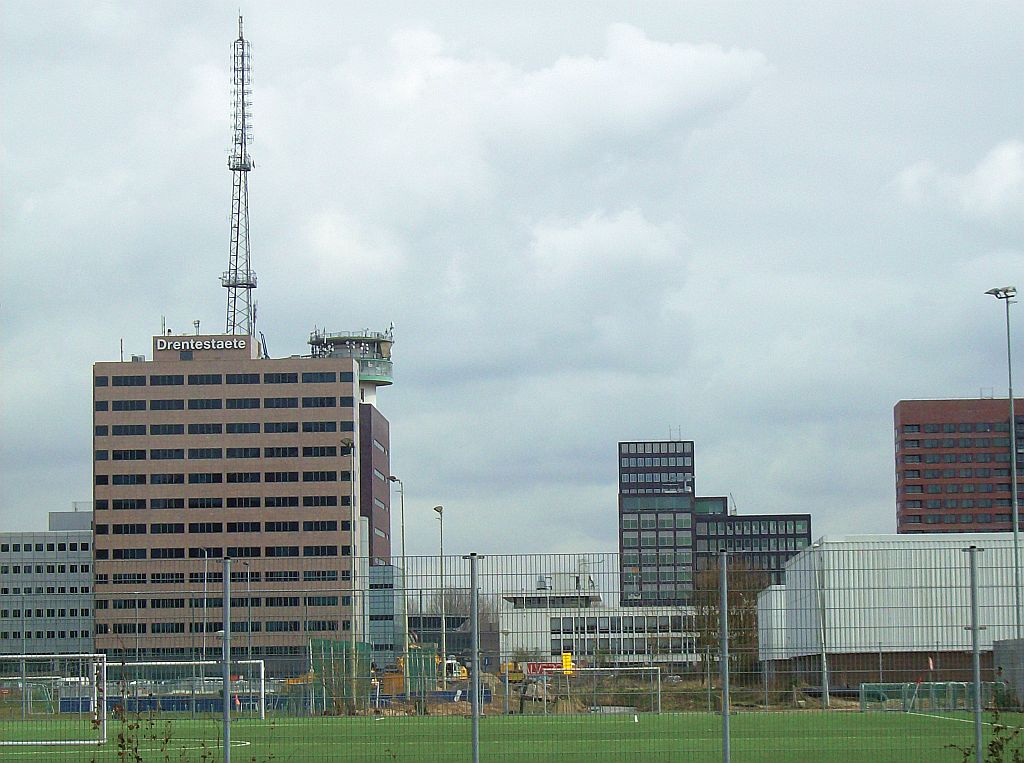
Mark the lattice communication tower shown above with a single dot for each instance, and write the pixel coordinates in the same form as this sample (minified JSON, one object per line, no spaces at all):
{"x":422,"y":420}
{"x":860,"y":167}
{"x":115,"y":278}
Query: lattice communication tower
{"x":239,"y":279}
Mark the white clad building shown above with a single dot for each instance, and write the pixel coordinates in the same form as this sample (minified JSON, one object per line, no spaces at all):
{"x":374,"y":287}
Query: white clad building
{"x":886,"y":607}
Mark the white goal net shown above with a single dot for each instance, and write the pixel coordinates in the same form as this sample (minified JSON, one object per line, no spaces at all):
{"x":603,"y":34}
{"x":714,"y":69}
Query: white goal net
{"x":603,"y":690}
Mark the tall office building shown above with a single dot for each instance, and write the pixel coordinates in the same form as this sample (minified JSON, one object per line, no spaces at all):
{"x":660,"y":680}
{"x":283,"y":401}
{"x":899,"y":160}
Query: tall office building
{"x":209,"y":450}
{"x":667,"y":533}
{"x":953,"y":460}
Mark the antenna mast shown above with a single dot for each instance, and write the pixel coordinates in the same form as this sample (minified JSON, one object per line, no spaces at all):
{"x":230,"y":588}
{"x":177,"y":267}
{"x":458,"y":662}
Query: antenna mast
{"x":239,"y":279}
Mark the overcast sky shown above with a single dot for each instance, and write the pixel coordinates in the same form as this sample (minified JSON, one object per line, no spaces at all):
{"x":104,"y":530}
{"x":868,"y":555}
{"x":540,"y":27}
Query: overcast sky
{"x":756,"y":226}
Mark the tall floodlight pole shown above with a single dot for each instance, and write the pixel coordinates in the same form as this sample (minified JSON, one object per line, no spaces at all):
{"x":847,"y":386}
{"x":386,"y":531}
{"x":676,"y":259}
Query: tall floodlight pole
{"x":405,"y":599}
{"x":239,"y":279}
{"x":444,"y":645}
{"x":1007,"y":294}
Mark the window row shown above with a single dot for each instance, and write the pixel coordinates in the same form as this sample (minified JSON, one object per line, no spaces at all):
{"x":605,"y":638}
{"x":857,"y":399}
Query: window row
{"x":952,"y":519}
{"x":211,"y":576}
{"x":36,"y":635}
{"x":931,"y":474}
{"x":763,"y":527}
{"x":164,"y":380}
{"x":655,"y":447}
{"x":216,"y":478}
{"x":270,"y":552}
{"x":217,"y":602}
{"x":679,"y":477}
{"x":216,"y":502}
{"x":276,"y":451}
{"x":42,"y":569}
{"x":962,"y":458}
{"x":28,"y":548}
{"x":49,"y":612}
{"x":963,"y":442}
{"x":752,"y":544}
{"x":270,"y":626}
{"x":660,"y":461}
{"x":231,"y":403}
{"x":967,"y":487}
{"x":176,"y":528}
{"x":964,"y":427}
{"x":961,"y":503}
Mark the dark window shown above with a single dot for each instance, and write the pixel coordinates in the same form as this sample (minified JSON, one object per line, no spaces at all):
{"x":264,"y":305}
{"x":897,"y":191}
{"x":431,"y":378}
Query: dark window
{"x":241,"y":552}
{"x":281,"y":378}
{"x":128,"y":405}
{"x":243,"y":379}
{"x":129,"y":479}
{"x":281,"y":452}
{"x":129,"y":529}
{"x":129,"y":503}
{"x":319,"y":377}
{"x":129,"y":381}
{"x":101,"y":405}
{"x":204,"y":404}
{"x":348,"y":426}
{"x":281,"y":477}
{"x":319,"y":402}
{"x":243,"y":477}
{"x":243,"y":527}
{"x":166,"y":380}
{"x":244,"y":502}
{"x":279,"y":551}
{"x":121,"y":430}
{"x":167,"y":429}
{"x":346,"y":401}
{"x":205,"y":503}
{"x":205,"y":453}
{"x":280,"y":402}
{"x":205,"y":379}
{"x":322,"y":525}
{"x":166,"y":528}
{"x":167,"y":503}
{"x":243,"y":428}
{"x":281,"y":527}
{"x":281,"y":501}
{"x":235,"y":403}
{"x":319,"y":500}
{"x":205,"y":527}
{"x":319,"y":451}
{"x":101,"y":430}
{"x":128,"y":455}
{"x":166,"y":405}
{"x":101,"y":381}
{"x":129,"y":553}
{"x":208,"y":428}
{"x":278,"y":427}
{"x":243,"y":452}
{"x":102,"y":455}
{"x":205,"y":478}
{"x":168,"y":479}
{"x":325,"y":476}
{"x":319,"y":426}
{"x":319,"y":550}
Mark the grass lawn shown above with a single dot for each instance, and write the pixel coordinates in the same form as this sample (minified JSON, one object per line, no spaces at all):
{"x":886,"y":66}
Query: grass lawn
{"x":783,"y":737}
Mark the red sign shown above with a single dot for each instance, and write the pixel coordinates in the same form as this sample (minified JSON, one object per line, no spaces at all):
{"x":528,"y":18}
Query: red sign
{"x":542,"y":668}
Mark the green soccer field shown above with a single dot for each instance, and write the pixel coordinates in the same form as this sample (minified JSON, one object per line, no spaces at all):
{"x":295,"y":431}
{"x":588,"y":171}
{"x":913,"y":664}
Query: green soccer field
{"x":783,"y":737}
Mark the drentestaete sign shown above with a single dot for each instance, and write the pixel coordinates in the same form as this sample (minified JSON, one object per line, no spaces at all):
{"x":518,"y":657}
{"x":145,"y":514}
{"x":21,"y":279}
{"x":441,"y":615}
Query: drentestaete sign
{"x":196,"y":347}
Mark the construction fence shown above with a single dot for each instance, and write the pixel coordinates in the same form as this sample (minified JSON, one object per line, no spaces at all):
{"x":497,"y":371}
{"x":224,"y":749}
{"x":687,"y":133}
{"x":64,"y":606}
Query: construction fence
{"x":852,"y":650}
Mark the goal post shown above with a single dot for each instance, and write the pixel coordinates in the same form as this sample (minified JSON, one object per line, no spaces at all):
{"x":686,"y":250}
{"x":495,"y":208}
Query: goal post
{"x":630,"y":689}
{"x":53,"y":699}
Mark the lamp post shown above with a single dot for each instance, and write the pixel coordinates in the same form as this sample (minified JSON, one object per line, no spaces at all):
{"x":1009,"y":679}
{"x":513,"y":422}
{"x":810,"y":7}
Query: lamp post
{"x":405,"y":600}
{"x":444,"y":645}
{"x":819,"y":585}
{"x":1007,"y":294}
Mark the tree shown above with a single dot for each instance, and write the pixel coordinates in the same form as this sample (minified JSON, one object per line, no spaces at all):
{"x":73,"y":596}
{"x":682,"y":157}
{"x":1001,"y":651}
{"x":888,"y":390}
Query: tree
{"x":744,"y":584}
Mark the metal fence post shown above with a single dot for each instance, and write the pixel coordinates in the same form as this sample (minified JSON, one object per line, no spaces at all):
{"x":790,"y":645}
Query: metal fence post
{"x":975,"y":628}
{"x":226,"y":656}
{"x":474,"y":665}
{"x":723,"y":628}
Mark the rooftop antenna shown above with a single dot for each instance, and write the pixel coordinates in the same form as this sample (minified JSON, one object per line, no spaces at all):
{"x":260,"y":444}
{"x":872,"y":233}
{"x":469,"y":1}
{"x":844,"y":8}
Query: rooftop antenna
{"x":239,"y":279}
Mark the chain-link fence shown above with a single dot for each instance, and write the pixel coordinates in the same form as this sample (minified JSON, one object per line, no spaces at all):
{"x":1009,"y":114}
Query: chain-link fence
{"x":872,"y":650}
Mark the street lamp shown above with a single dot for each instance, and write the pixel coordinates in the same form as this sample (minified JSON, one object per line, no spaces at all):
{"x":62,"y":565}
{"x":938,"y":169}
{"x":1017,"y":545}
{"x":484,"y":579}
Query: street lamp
{"x":1007,"y":294}
{"x":405,"y":599}
{"x":819,"y":549}
{"x":444,"y":645}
